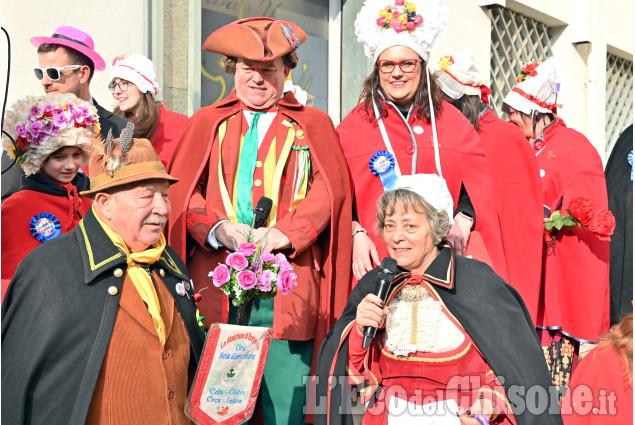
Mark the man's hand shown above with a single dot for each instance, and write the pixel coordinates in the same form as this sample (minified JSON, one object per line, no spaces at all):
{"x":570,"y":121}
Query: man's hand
{"x":365,"y":256}
{"x":460,"y":233}
{"x":227,"y":233}
{"x":276,"y":240}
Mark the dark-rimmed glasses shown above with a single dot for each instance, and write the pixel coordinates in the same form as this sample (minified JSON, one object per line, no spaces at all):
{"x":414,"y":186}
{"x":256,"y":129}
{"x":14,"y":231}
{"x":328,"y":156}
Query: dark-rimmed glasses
{"x":122,"y":84}
{"x":53,"y":72}
{"x":407,"y":66}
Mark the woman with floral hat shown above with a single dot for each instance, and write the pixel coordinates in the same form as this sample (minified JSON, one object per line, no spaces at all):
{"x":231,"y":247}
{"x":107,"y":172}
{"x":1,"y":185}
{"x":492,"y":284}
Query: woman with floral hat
{"x":574,"y":304}
{"x":134,"y":86}
{"x":403,"y":126}
{"x":52,"y":142}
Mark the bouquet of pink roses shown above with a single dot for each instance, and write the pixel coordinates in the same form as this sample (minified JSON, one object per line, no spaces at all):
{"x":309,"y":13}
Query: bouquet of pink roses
{"x":250,"y":273}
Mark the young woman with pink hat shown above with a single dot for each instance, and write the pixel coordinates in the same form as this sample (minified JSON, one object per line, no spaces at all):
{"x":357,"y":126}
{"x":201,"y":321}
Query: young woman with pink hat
{"x":135,"y":86}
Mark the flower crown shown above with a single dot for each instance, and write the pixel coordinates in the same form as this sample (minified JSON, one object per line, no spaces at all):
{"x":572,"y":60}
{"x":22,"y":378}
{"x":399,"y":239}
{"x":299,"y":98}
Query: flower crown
{"x":45,"y":119}
{"x":400,"y":17}
{"x":527,"y":71}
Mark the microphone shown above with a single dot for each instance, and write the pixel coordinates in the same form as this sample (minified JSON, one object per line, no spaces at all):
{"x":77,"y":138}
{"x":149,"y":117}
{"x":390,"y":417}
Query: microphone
{"x":261,"y":212}
{"x":387,"y":270}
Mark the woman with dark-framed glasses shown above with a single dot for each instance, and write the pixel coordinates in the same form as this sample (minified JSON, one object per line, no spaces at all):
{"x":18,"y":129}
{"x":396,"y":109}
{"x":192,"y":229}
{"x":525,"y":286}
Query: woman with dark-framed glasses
{"x":135,"y":86}
{"x":402,"y":126}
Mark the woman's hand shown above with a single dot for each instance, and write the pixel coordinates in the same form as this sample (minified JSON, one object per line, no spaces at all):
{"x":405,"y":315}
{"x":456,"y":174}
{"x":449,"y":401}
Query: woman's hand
{"x":482,"y":406}
{"x":459,"y":234}
{"x":370,"y":312}
{"x":365,"y":256}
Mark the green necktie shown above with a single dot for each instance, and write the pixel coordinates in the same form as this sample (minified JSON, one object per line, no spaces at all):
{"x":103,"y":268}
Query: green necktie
{"x":246,"y":167}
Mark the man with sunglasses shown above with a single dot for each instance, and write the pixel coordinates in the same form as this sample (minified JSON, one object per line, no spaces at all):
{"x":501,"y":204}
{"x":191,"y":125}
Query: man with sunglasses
{"x":67,"y":62}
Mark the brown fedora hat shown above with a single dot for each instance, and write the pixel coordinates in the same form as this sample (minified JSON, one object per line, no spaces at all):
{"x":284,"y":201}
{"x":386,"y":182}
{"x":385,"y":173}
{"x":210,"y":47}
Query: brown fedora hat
{"x":141,"y":162}
{"x":258,"y":39}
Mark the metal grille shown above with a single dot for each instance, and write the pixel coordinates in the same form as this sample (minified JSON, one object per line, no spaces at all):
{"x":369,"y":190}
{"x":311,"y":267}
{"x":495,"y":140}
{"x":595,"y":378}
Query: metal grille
{"x":619,"y":98}
{"x":516,"y":41}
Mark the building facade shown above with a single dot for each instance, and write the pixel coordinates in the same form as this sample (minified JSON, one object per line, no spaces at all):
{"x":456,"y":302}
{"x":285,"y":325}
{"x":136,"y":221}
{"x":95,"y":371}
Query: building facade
{"x":592,"y":42}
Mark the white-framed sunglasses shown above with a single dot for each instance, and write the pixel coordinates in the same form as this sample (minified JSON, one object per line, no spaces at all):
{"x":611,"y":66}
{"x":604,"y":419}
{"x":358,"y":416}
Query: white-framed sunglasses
{"x":53,"y":72}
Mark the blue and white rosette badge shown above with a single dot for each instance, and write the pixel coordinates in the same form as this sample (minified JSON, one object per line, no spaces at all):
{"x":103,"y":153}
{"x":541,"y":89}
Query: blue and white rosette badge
{"x":382,"y":164}
{"x":45,"y":226}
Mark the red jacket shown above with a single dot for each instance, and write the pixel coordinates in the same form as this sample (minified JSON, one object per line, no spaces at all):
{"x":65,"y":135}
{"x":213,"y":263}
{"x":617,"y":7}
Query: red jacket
{"x":321,"y":258}
{"x":167,"y":132}
{"x":20,"y":209}
{"x":462,"y":162}
{"x":518,"y":191}
{"x":575,"y":293}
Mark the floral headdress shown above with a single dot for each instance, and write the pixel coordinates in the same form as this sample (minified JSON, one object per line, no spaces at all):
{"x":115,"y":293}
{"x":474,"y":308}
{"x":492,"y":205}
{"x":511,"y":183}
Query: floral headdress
{"x":418,"y":25}
{"x":41,"y":125}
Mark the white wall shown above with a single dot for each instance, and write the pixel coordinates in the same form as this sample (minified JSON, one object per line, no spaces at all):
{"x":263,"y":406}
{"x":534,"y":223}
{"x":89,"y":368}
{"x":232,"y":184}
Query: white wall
{"x":116,"y":27}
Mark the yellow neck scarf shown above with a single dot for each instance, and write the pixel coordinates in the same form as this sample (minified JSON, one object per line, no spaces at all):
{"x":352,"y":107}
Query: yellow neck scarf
{"x":139,"y":276}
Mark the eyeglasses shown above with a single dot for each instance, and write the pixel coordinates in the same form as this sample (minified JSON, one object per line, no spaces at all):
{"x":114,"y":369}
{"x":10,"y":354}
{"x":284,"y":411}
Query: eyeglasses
{"x":122,"y":84}
{"x":53,"y":72}
{"x":407,"y":66}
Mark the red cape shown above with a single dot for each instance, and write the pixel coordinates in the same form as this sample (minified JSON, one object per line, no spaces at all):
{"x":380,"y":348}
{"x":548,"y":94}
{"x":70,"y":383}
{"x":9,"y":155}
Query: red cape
{"x":575,"y":292}
{"x":197,"y":152}
{"x":462,"y":162}
{"x":17,"y":211}
{"x":167,"y":132}
{"x":518,"y":191}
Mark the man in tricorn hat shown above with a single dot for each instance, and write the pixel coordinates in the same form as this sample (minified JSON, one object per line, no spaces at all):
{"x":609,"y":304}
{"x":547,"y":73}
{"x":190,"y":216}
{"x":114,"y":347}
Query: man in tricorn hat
{"x":99,"y":325}
{"x":272,"y":146}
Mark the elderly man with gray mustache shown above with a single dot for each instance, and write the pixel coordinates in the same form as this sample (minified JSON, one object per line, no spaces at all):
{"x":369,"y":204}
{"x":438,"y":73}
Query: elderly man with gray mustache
{"x":99,"y":326}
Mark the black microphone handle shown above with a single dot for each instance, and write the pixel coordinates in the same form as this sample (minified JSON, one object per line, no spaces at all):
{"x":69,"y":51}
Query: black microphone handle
{"x":261,"y":211}
{"x":385,"y":277}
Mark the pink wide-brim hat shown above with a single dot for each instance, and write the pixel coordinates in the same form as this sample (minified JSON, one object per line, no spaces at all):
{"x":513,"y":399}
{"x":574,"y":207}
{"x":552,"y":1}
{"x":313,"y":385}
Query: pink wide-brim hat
{"x":74,"y":39}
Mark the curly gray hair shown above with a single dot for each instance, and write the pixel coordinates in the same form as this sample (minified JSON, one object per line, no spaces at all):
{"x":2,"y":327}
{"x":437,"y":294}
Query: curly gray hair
{"x":438,"y":220}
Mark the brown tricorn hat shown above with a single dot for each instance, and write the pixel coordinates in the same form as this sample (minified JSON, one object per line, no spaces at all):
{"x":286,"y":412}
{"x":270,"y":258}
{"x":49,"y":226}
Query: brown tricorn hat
{"x":258,"y":39}
{"x":123,"y":161}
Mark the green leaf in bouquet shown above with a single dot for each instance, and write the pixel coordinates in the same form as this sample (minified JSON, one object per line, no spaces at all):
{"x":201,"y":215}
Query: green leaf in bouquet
{"x":549,"y":225}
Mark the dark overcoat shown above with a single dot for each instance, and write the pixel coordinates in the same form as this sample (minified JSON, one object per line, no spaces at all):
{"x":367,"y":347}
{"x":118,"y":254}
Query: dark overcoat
{"x":57,"y":319}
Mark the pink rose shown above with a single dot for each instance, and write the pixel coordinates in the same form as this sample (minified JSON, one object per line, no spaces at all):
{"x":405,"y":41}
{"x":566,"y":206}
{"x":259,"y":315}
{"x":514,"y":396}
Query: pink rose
{"x":264,"y":282}
{"x":286,"y":281}
{"x":266,"y":257}
{"x":398,"y":2}
{"x":281,"y":261}
{"x":418,"y":19}
{"x":221,"y":275}
{"x":247,"y":249}
{"x":246,"y":279}
{"x":237,"y":261}
{"x":381,"y":21}
{"x":410,"y":26}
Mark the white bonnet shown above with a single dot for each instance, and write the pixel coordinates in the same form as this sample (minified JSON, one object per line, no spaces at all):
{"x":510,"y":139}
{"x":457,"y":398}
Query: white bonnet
{"x":139,"y":70}
{"x":430,"y":187}
{"x":535,"y":92}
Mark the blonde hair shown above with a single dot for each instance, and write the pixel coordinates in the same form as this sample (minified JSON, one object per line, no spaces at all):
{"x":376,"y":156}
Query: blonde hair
{"x":620,"y":339}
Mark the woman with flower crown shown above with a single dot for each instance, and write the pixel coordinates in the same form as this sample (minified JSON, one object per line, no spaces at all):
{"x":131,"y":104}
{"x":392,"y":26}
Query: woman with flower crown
{"x":402,"y":126}
{"x":574,"y":306}
{"x":52,"y":142}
